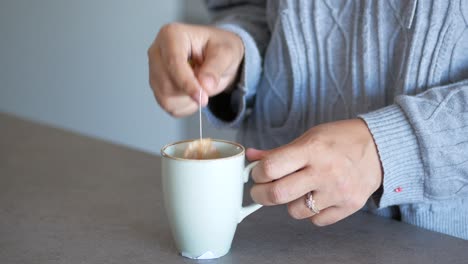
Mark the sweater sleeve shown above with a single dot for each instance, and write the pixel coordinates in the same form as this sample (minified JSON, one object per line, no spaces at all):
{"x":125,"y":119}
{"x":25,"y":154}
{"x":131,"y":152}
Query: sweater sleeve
{"x":422,"y":142}
{"x":247,"y":19}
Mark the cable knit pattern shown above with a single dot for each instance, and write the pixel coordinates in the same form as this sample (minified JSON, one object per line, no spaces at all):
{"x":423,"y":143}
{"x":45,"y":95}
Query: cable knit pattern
{"x":400,"y":65}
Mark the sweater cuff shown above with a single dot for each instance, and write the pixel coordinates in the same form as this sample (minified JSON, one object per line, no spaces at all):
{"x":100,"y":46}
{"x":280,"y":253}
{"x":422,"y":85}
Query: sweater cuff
{"x":235,"y":103}
{"x":398,"y":148}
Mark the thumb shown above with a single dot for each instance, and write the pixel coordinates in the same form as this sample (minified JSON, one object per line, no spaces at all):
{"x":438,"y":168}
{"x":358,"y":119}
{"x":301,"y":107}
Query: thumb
{"x":255,"y":154}
{"x":218,"y":69}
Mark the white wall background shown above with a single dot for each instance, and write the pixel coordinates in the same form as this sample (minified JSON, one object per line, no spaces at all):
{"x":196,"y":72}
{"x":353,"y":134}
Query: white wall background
{"x":82,"y":66}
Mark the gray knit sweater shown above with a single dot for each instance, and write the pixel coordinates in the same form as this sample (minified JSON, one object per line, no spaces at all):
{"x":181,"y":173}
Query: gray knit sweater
{"x":402,"y":66}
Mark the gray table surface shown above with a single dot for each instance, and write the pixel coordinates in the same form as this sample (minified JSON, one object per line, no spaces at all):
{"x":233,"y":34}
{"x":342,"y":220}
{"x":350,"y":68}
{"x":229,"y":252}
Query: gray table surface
{"x":66,"y":198}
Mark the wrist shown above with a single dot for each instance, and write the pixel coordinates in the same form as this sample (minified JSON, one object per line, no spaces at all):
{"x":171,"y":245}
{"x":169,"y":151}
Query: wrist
{"x":239,"y":61}
{"x":233,"y":85}
{"x":400,"y":156}
{"x":372,"y":163}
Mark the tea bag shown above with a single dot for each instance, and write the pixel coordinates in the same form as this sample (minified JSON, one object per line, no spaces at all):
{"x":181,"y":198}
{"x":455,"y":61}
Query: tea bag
{"x":201,"y":148}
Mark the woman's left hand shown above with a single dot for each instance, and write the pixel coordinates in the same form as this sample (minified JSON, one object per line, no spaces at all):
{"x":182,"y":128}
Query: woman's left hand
{"x":337,"y":162}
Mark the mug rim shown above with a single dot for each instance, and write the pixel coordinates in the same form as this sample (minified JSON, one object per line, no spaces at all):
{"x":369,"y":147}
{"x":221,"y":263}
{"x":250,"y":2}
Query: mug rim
{"x":165,"y":155}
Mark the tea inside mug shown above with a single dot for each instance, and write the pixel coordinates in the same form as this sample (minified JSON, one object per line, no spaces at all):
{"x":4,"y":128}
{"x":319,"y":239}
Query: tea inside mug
{"x":225,"y":149}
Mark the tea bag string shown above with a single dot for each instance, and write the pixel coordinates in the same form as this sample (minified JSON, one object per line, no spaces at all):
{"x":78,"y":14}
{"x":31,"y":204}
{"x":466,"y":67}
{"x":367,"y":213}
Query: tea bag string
{"x":200,"y":116}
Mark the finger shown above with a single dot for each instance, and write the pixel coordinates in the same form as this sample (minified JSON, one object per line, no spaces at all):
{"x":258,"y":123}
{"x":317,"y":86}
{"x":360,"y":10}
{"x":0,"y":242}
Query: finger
{"x":255,"y":154}
{"x":185,"y":106}
{"x":174,"y":54}
{"x":284,"y":190}
{"x":331,"y":215}
{"x":158,"y":78}
{"x":161,"y":87}
{"x":299,"y":210}
{"x":175,"y":102}
{"x":184,"y":79}
{"x":218,"y":62}
{"x":279,"y":163}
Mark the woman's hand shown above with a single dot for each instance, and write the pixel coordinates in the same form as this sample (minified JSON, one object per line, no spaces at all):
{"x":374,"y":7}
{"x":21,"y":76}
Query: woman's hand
{"x":337,"y":162}
{"x":214,"y":56}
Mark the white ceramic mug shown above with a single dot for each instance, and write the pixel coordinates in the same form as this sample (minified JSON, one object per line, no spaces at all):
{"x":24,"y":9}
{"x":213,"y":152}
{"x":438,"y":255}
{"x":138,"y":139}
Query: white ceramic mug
{"x":203,"y":198}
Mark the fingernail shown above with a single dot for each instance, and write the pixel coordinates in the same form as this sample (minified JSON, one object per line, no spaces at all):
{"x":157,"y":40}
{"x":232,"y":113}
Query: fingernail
{"x":208,"y":82}
{"x":196,"y":97}
{"x":204,"y":98}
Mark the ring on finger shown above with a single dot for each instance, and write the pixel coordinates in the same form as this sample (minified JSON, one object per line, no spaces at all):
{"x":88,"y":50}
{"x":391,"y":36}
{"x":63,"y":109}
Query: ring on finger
{"x":310,"y":203}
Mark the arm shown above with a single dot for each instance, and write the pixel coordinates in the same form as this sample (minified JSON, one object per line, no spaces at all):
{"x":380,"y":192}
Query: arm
{"x":248,"y":20}
{"x":422,"y":142}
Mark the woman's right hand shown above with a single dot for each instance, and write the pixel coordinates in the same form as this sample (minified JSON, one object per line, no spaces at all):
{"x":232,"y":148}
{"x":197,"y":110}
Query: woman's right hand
{"x":186,"y":58}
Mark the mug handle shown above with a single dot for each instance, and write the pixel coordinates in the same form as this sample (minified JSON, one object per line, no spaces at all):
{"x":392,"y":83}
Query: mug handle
{"x":246,"y":210}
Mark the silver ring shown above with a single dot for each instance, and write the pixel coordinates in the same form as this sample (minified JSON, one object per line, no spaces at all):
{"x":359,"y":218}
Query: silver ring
{"x":310,"y":203}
